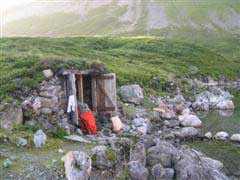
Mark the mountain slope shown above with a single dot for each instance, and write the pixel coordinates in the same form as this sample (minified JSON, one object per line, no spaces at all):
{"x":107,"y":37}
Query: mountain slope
{"x":107,"y":17}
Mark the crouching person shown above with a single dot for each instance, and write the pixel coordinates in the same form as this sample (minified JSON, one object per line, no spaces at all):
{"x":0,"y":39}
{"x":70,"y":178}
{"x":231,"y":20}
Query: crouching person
{"x":87,"y":120}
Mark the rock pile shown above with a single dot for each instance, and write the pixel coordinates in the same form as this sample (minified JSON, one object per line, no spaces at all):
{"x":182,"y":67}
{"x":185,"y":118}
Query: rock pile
{"x":215,"y":98}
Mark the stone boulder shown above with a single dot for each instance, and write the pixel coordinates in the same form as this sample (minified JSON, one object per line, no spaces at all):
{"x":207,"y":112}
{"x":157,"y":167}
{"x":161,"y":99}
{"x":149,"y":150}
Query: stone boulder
{"x":190,"y":120}
{"x":191,"y":164}
{"x":215,"y":98}
{"x":78,"y":165}
{"x":138,"y":153}
{"x":235,"y":138}
{"x":104,"y":158}
{"x":221,"y":136}
{"x":162,"y":153}
{"x":132,"y":93}
{"x":11,"y":115}
{"x":189,"y":132}
{"x":137,"y":171}
{"x":39,"y":138}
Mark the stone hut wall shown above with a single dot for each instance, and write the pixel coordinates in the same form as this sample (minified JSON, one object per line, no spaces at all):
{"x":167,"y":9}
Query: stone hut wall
{"x":47,"y":106}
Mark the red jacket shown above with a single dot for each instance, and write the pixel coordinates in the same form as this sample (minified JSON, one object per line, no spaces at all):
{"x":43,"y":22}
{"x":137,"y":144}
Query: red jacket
{"x":88,"y":122}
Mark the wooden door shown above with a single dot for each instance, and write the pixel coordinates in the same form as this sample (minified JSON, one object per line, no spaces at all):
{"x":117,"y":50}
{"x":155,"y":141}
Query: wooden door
{"x":105,"y":96}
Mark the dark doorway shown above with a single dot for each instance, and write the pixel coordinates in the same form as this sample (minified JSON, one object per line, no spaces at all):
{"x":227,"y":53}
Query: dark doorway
{"x":87,"y":90}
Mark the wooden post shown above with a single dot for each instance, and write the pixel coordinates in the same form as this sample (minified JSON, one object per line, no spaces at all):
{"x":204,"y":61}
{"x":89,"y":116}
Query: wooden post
{"x":80,"y":88}
{"x":94,"y":93}
{"x":73,"y":91}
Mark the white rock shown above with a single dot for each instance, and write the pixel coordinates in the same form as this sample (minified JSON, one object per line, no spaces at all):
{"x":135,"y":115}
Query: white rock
{"x":190,"y":120}
{"x":226,"y":104}
{"x":189,"y":131}
{"x":39,"y":138}
{"x":235,"y":137}
{"x":221,"y":136}
{"x":47,"y":73}
{"x":208,"y":135}
{"x":60,"y":151}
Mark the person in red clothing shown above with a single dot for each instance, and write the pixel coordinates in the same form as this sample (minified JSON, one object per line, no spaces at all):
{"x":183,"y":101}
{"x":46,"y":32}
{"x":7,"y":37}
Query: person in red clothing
{"x":88,"y":123}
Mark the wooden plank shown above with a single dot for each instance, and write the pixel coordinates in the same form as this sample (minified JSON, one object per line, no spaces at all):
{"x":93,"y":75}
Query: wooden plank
{"x":80,"y":88}
{"x":106,"y":86}
{"x":73,"y":91}
{"x":94,"y":93}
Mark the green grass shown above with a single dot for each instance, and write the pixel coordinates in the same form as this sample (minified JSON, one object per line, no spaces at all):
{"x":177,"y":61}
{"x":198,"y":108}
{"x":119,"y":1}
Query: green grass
{"x":134,"y":60}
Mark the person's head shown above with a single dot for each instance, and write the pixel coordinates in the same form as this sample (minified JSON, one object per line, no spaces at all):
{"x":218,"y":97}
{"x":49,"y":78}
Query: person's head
{"x":83,"y":107}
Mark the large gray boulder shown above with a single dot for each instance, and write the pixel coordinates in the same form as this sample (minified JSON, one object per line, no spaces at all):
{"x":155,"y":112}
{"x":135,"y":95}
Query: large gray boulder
{"x":137,"y":171}
{"x":10,"y":115}
{"x":132,"y":93}
{"x":190,"y":120}
{"x":191,"y":164}
{"x":215,"y":99}
{"x":163,"y":153}
{"x":78,"y":165}
{"x":103,"y":157}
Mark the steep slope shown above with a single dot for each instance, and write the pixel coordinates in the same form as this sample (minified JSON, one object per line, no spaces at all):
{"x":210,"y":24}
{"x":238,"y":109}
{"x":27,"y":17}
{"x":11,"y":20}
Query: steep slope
{"x":138,"y":17}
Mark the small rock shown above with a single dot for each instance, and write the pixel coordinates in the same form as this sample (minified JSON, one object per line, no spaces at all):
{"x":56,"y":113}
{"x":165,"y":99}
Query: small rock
{"x":157,"y":171}
{"x":138,"y":122}
{"x":235,"y":138}
{"x":47,"y":73}
{"x":7,"y":163}
{"x":189,"y":131}
{"x":142,"y":129}
{"x":39,"y":138}
{"x":46,"y":111}
{"x":21,"y":141}
{"x":208,"y":135}
{"x":221,"y":136}
{"x":137,"y":171}
{"x":168,"y":174}
{"x":60,"y":151}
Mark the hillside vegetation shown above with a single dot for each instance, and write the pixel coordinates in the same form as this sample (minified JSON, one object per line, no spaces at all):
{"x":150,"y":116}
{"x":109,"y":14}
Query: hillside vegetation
{"x":133,"y":59}
{"x":108,"y":17}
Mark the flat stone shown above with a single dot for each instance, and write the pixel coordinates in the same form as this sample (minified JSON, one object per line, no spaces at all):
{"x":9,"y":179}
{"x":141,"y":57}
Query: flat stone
{"x":221,"y":136}
{"x":76,"y":138}
{"x":235,"y":138}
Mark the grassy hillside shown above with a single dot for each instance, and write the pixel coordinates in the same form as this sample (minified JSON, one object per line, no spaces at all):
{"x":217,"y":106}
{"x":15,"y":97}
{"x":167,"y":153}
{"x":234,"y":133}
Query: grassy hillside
{"x":133,"y":59}
{"x":139,"y":17}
